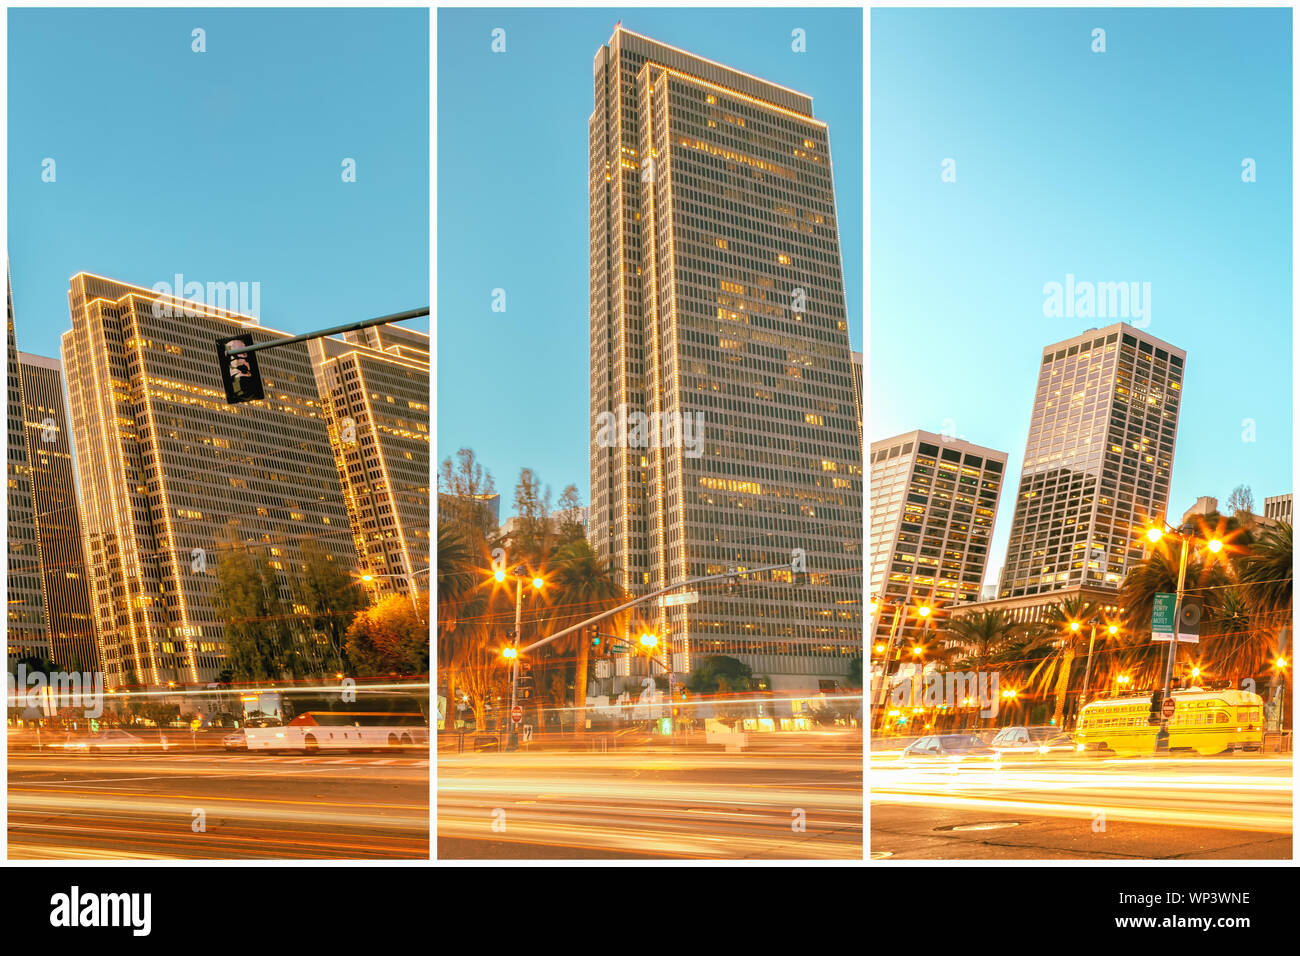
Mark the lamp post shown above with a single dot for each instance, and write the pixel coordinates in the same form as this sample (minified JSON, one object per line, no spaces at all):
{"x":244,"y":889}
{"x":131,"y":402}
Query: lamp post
{"x":889,"y":654}
{"x":408,"y":577}
{"x":512,"y":652}
{"x":1154,"y":534}
{"x":1111,"y":629}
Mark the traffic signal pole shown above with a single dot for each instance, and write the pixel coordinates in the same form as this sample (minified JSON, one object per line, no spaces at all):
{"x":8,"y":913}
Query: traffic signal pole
{"x":1162,"y":735}
{"x":349,"y":327}
{"x":690,"y":582}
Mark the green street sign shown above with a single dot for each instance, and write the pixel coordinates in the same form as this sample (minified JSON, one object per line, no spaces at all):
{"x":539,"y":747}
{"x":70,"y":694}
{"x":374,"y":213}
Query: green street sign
{"x":1162,"y":616}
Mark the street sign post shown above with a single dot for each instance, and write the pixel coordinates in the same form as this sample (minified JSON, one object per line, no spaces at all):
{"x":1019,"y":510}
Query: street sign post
{"x":517,"y":715}
{"x":1162,"y":616}
{"x":1167,"y":708}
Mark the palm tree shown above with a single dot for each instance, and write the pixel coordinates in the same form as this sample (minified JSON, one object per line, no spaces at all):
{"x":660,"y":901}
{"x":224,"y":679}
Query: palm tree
{"x":1232,"y":643}
{"x":982,"y":634}
{"x":582,"y":586}
{"x":456,"y":587}
{"x":1063,"y":631}
{"x":1265,"y":571}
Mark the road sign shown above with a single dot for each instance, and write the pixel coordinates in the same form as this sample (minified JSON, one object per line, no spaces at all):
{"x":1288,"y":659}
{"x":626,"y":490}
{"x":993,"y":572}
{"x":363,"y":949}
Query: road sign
{"x":516,"y":714}
{"x":1162,"y":616}
{"x":674,"y":600}
{"x":1167,"y":708}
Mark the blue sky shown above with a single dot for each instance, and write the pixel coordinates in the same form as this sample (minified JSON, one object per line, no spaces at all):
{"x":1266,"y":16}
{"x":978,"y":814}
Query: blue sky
{"x":1116,"y":166}
{"x":223,"y":166}
{"x":512,"y":207}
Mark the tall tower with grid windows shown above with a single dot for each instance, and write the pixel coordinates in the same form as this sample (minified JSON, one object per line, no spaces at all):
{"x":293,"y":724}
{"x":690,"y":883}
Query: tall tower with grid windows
{"x":26,"y":628}
{"x":933,"y":502}
{"x":172,"y":478}
{"x":724,"y":426}
{"x":58,"y":525}
{"x":374,"y":388}
{"x":1097,"y":462}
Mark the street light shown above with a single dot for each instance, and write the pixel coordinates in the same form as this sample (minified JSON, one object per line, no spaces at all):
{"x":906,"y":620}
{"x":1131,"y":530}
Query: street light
{"x":512,"y":653}
{"x":879,"y":605}
{"x":1154,"y":535}
{"x":409,"y":577}
{"x":1112,"y":630}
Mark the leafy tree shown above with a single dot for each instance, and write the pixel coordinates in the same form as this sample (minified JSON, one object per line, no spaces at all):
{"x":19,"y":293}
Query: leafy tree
{"x":332,"y":597}
{"x":1241,"y":502}
{"x":248,"y":603}
{"x":568,"y":516}
{"x":390,"y":638}
{"x":464,"y":481}
{"x":720,"y":674}
{"x":533,"y":535}
{"x":855,"y":672}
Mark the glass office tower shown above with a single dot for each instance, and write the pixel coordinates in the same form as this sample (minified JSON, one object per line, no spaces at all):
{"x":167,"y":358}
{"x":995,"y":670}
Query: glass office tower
{"x":1097,"y":462}
{"x":718,"y":310}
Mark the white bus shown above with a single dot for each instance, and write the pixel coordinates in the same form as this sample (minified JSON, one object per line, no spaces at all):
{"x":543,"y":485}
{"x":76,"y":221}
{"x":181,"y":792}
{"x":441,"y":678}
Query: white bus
{"x":390,"y":723}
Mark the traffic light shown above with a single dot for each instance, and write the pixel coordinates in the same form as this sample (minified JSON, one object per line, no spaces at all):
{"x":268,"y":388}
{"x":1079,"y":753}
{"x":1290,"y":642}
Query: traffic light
{"x":239,"y":373}
{"x":733,"y":579}
{"x":1189,"y":615}
{"x":798,"y":567}
{"x":595,"y":637}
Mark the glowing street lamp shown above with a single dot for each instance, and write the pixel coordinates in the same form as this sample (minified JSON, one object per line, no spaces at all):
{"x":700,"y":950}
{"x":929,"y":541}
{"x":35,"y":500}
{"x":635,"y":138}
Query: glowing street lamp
{"x":1214,"y":545}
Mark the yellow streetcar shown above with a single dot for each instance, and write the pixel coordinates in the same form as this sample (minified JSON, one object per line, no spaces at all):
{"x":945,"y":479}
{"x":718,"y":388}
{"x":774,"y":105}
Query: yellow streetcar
{"x":1207,"y":721}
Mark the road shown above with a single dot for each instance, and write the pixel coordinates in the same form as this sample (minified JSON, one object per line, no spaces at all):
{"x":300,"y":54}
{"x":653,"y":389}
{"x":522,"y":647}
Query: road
{"x":1234,"y":806}
{"x":254,"y":806}
{"x":797,"y":799}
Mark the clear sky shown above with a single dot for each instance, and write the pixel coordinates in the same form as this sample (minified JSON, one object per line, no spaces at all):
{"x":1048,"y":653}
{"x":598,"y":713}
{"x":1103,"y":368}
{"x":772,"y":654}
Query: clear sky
{"x":223,"y":166}
{"x":512,"y":206}
{"x":1116,"y":166}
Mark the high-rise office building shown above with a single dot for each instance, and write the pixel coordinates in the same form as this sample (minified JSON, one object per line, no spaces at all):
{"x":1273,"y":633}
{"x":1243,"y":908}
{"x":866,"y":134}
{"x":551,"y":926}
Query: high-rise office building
{"x":934,"y":499}
{"x":172,"y":478}
{"x":723,"y":428}
{"x":374,"y":388}
{"x":65,"y":594}
{"x":26,"y":631}
{"x":1097,"y":462}
{"x":1278,"y":508}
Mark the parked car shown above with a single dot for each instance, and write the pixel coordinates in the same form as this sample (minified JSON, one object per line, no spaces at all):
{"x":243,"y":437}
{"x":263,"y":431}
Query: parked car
{"x":950,"y":751}
{"x":235,"y":741}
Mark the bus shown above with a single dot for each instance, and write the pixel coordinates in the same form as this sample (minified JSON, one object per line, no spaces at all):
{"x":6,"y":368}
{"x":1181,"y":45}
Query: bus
{"x":1207,"y":721}
{"x":371,"y":722}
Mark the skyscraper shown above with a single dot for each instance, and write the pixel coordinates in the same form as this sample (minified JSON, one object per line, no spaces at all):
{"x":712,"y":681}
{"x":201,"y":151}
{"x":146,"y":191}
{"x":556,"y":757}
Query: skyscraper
{"x":719,"y":347}
{"x":374,"y":388}
{"x":172,"y":478}
{"x":65,"y":594}
{"x":1097,"y":462}
{"x":933,"y":502}
{"x":27,"y":634}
